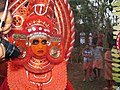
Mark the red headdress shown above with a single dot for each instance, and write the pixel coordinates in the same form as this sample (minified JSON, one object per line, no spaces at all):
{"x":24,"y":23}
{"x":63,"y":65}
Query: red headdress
{"x":39,"y":24}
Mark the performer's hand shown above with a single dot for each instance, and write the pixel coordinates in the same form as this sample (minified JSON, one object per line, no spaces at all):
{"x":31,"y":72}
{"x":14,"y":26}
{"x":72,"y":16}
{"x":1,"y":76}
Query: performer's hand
{"x":8,"y":21}
{"x":0,"y":29}
{"x":2,"y":51}
{"x":7,"y":31}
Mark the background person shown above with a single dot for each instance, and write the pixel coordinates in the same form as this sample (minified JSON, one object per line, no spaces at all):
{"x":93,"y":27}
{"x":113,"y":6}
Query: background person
{"x":97,"y":61}
{"x":100,"y":41}
{"x":82,"y":37}
{"x":95,"y":38}
{"x":90,"y":39}
{"x":108,"y":69}
{"x":87,"y":62}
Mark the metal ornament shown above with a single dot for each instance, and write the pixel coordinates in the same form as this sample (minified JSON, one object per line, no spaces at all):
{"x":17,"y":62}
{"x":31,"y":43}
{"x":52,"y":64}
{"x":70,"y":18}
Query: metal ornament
{"x":55,"y":52}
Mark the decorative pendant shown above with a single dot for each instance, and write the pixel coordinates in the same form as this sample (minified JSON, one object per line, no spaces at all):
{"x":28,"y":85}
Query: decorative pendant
{"x":55,"y":52}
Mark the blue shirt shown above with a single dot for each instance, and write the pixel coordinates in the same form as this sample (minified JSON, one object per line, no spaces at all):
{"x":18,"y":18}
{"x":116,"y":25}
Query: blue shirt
{"x":87,"y":52}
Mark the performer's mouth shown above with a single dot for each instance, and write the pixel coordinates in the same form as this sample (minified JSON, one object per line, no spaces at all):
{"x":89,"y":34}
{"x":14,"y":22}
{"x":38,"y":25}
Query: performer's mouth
{"x":40,"y":51}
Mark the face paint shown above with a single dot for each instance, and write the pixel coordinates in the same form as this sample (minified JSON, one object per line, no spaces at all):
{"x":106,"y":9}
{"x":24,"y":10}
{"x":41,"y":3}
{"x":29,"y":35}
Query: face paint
{"x":39,"y":46}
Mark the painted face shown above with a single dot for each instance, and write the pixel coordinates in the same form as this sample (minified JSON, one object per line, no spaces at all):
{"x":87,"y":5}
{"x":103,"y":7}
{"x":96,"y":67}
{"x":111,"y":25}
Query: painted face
{"x":39,"y":46}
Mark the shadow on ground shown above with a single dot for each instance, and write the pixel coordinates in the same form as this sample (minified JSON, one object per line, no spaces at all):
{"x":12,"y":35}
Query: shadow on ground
{"x":75,"y":75}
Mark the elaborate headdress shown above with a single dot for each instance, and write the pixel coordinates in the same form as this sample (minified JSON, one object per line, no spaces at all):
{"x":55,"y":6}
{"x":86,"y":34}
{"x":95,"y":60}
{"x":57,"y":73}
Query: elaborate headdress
{"x":60,"y":19}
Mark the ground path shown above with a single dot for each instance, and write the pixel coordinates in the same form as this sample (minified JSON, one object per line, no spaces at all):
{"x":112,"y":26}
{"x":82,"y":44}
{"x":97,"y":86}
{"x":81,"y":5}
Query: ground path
{"x":75,"y":75}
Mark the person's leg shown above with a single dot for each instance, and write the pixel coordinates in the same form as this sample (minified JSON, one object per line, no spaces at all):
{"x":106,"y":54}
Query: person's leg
{"x":85,"y":75}
{"x":99,"y":72}
{"x":95,"y":73}
{"x":85,"y":68}
{"x":99,"y":67}
{"x":90,"y":71}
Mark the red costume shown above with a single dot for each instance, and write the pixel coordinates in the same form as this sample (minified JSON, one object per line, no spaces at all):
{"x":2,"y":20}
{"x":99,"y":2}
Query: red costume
{"x":108,"y":65}
{"x":43,"y":30}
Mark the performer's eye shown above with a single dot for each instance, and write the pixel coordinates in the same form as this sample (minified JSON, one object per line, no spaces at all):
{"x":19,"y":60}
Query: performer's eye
{"x":44,"y":42}
{"x":35,"y":42}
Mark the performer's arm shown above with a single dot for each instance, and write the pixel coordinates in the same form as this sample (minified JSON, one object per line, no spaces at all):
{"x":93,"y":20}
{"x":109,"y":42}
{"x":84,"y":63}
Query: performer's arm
{"x":7,"y":23}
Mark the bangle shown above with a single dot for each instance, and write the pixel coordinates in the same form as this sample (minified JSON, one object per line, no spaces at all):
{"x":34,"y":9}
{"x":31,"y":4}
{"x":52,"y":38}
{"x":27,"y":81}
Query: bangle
{"x":8,"y":48}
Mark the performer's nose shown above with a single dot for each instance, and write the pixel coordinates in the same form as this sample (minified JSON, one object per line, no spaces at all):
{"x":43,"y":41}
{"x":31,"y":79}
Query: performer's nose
{"x":40,"y":45}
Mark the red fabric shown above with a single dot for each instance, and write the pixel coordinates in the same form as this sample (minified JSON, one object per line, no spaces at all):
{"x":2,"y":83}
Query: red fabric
{"x":108,"y":66}
{"x":87,"y":65}
{"x":100,"y":39}
{"x":108,"y":71}
{"x":98,"y":64}
{"x":3,"y":72}
{"x":69,"y":86}
{"x":4,"y":86}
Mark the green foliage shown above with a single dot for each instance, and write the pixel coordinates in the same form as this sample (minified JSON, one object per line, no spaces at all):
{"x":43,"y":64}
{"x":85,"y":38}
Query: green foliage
{"x":76,"y":13}
{"x":91,"y":16}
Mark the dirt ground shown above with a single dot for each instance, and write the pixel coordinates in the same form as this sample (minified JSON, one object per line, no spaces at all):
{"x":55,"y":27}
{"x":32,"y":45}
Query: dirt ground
{"x":76,"y":74}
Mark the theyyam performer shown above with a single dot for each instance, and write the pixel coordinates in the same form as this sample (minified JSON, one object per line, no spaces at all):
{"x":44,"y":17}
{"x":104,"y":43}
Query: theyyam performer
{"x":43,"y":31}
